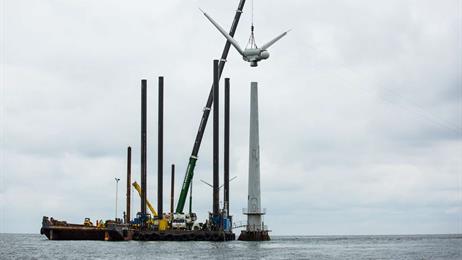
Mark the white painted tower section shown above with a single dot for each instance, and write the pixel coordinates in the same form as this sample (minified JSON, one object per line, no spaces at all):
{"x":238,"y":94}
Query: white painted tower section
{"x":254,"y":211}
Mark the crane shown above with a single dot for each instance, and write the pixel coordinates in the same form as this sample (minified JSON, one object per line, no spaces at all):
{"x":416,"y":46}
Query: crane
{"x":151,"y":208}
{"x":205,"y":116}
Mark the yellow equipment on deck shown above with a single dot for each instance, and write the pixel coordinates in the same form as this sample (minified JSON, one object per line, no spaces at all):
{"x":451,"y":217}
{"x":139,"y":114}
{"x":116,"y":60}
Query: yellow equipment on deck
{"x":163,"y":223}
{"x":151,"y":208}
{"x":87,"y":222}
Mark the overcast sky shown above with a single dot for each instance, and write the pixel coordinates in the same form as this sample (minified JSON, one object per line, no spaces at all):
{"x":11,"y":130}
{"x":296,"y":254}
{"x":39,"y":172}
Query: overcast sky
{"x":360,"y":110}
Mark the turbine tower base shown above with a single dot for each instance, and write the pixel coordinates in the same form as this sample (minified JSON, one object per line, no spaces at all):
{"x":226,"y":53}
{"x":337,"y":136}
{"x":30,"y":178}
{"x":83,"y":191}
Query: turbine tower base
{"x":259,"y":235}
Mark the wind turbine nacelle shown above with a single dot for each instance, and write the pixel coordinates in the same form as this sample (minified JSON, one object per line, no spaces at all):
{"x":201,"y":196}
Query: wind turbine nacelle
{"x":264,"y":55}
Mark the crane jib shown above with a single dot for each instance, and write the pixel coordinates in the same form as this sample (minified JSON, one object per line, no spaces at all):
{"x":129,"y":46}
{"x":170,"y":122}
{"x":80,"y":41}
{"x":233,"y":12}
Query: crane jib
{"x":205,"y":116}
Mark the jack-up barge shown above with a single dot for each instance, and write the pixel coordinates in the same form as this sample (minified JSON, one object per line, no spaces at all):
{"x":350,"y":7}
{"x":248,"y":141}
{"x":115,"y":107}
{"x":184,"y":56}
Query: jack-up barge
{"x":157,"y":225}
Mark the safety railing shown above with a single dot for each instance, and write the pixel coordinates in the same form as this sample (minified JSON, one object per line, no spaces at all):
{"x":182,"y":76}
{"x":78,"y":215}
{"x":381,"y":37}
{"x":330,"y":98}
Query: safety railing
{"x":254,"y":211}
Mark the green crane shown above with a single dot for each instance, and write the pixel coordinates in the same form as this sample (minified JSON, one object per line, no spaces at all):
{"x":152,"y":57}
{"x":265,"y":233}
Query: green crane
{"x":205,"y":116}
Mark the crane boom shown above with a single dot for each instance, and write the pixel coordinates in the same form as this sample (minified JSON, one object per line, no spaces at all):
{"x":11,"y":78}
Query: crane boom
{"x":151,"y":208}
{"x":205,"y":116}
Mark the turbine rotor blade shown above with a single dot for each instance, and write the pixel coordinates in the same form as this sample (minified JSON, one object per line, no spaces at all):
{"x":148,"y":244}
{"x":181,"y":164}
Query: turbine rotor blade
{"x":207,"y":183}
{"x":222,"y":31}
{"x":230,"y":180}
{"x":273,"y":41}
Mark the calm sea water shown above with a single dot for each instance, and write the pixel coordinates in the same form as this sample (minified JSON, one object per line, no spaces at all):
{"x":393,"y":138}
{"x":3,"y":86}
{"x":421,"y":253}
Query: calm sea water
{"x":18,"y":246}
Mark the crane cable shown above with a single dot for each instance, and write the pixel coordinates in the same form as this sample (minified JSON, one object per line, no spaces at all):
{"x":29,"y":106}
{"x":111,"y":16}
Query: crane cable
{"x":252,"y":15}
{"x":252,"y":44}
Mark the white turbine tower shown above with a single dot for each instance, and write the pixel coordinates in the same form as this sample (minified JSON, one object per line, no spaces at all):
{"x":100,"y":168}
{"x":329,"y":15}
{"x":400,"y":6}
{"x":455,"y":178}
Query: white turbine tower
{"x":256,"y":230}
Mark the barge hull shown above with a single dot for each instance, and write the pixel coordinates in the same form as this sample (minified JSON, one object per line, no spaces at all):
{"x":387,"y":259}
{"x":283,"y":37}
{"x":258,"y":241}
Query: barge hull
{"x":80,"y":233}
{"x":172,"y":235}
{"x":89,"y":233}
